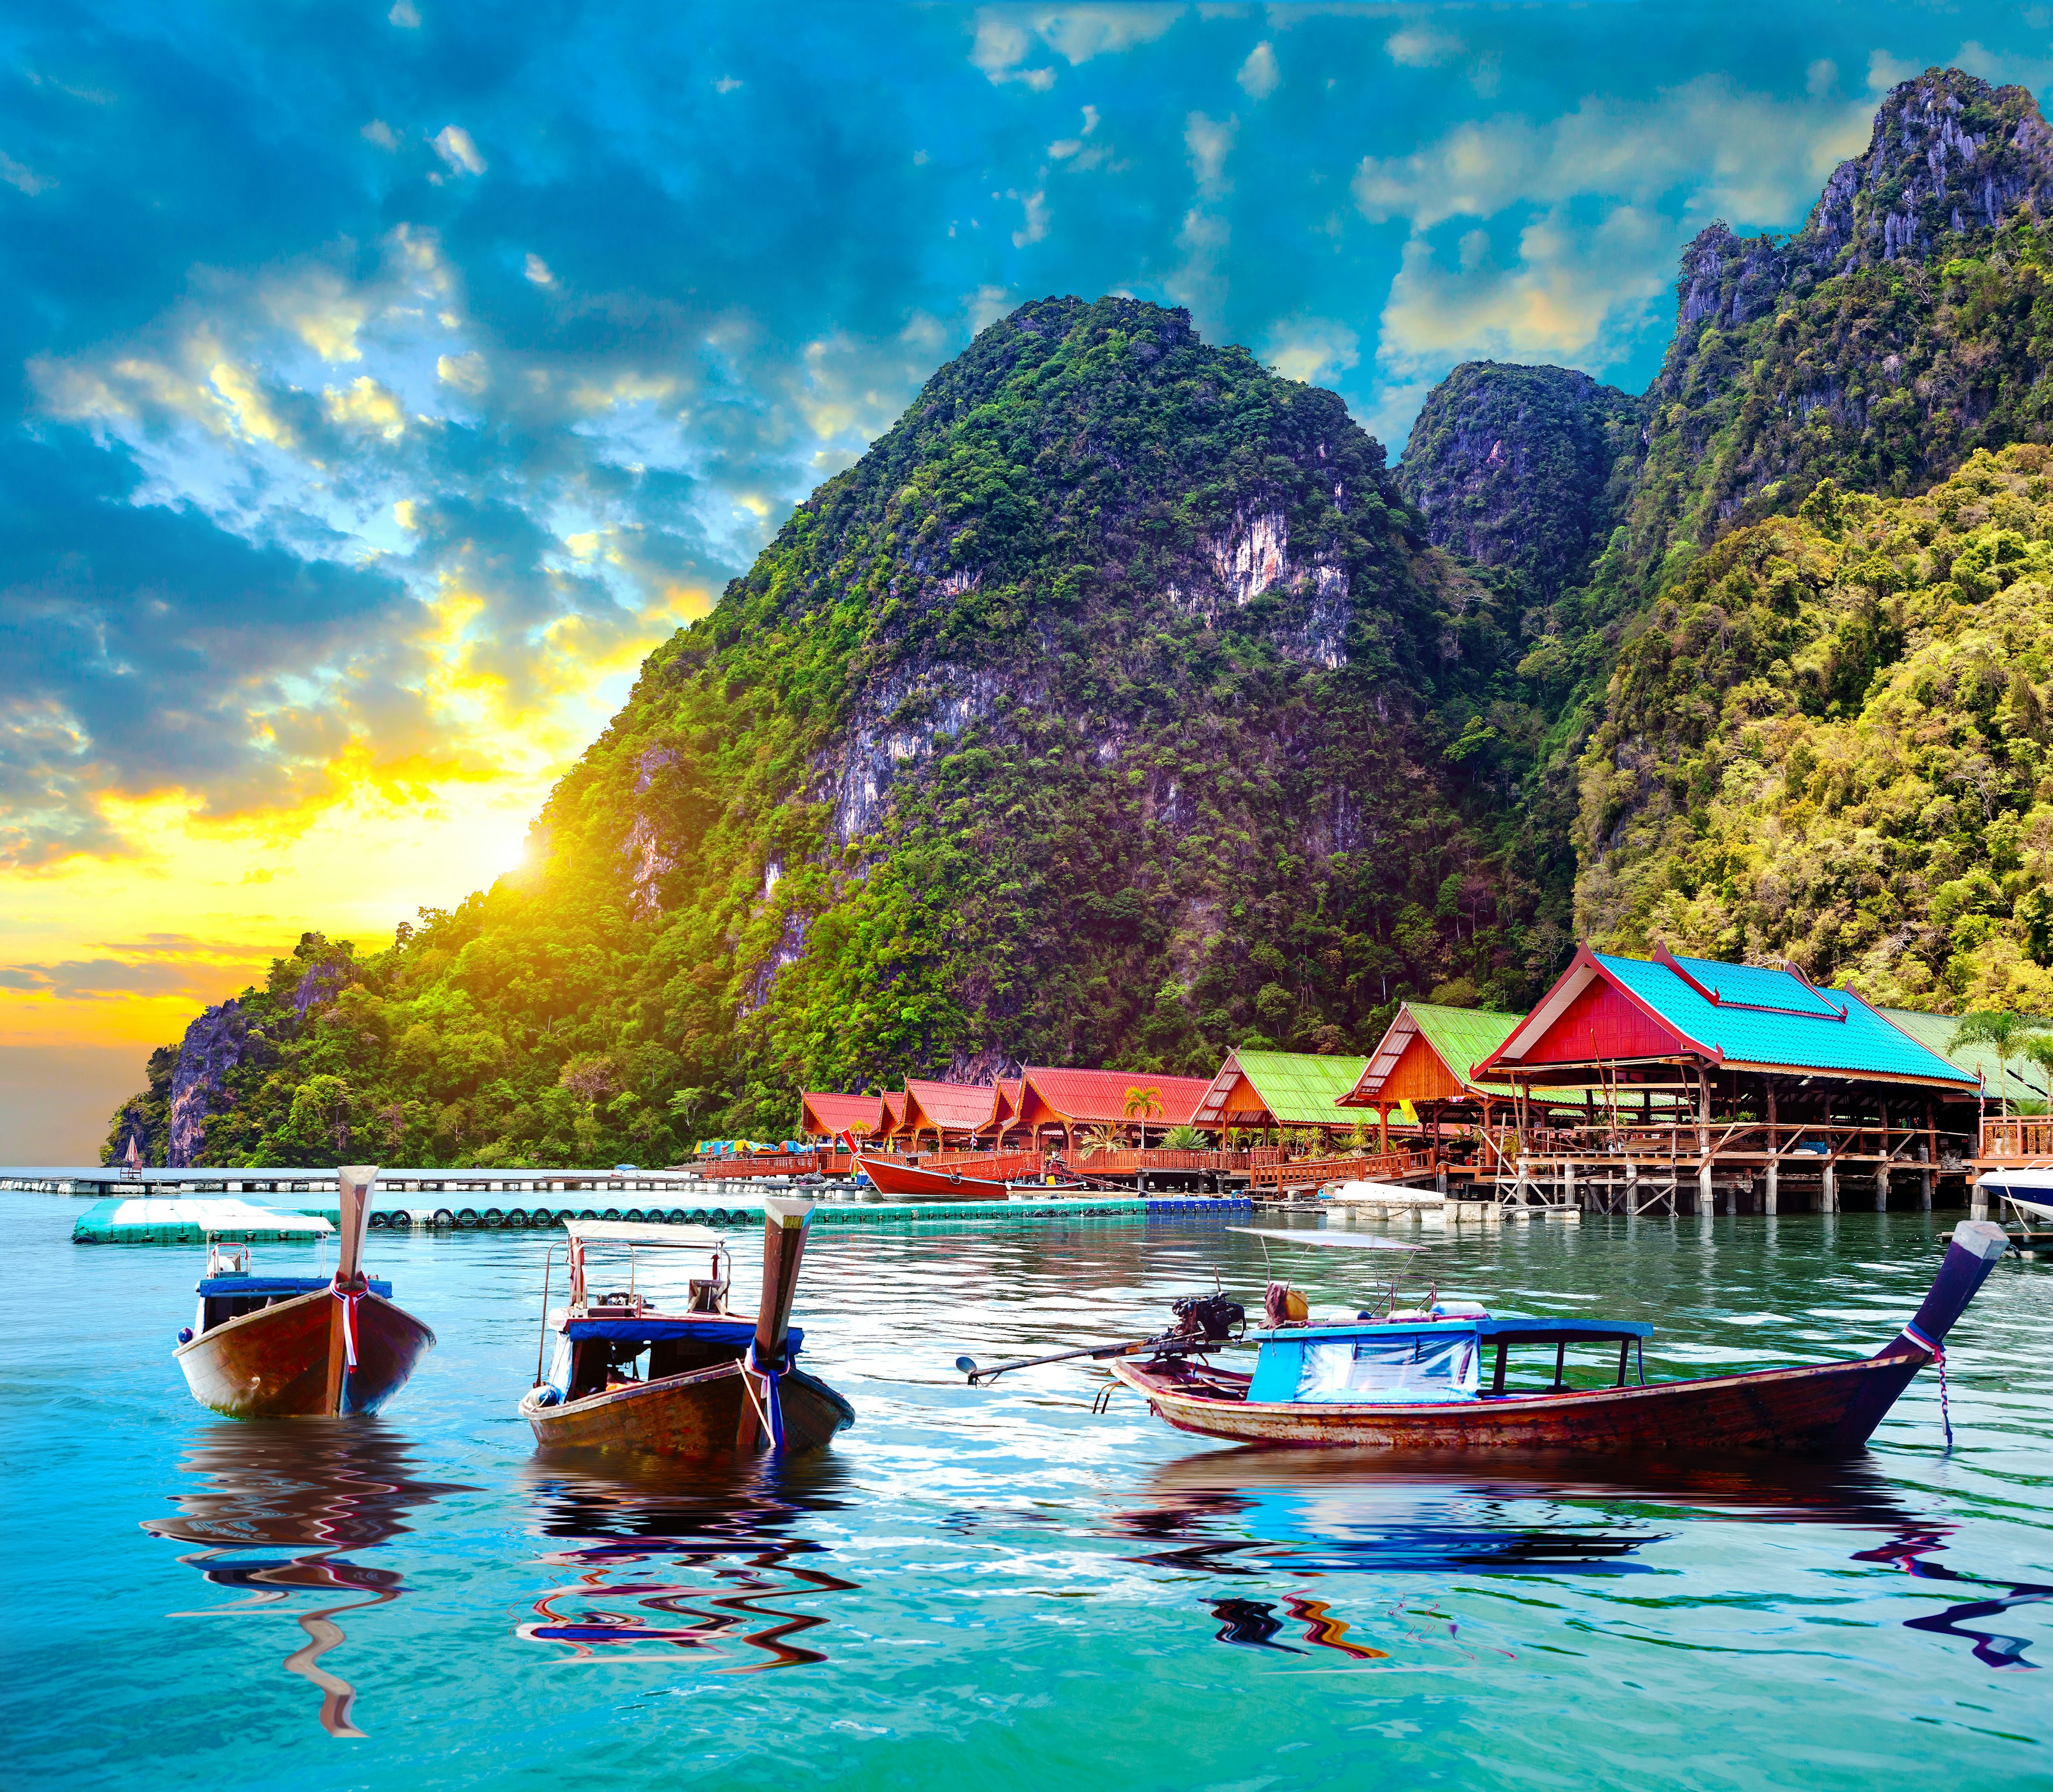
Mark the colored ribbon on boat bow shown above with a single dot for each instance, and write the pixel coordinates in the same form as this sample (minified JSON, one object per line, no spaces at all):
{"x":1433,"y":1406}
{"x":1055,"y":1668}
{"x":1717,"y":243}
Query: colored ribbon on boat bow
{"x":1932,"y":1349}
{"x":349,"y":1298}
{"x":773,"y":1405}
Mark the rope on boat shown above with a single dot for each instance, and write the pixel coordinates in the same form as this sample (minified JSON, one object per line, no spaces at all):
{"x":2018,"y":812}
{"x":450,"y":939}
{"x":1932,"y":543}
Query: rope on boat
{"x":1938,"y":1355}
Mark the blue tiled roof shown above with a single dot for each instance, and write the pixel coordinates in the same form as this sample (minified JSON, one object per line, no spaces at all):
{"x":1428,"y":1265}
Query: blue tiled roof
{"x":1812,"y":1037}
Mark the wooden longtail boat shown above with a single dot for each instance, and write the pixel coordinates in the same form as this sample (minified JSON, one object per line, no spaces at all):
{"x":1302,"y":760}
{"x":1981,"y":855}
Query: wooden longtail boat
{"x":711,"y":1382}
{"x":299,"y":1346}
{"x":913,"y":1181}
{"x":1413,"y":1384}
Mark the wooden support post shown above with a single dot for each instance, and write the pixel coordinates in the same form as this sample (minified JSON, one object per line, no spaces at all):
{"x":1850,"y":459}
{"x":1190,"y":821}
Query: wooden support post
{"x":1924,"y":1188}
{"x":1882,"y":1188}
{"x":1704,"y":1194}
{"x":1828,"y":1196}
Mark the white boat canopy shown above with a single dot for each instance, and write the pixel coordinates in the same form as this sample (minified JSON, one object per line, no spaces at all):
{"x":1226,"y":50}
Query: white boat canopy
{"x":628,"y":1232}
{"x":1352,"y":1240}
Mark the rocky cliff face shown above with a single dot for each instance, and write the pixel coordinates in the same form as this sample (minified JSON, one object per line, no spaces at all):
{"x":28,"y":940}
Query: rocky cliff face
{"x":1904,"y":326}
{"x":1951,"y":156}
{"x":212,"y":1048}
{"x":1522,"y":468}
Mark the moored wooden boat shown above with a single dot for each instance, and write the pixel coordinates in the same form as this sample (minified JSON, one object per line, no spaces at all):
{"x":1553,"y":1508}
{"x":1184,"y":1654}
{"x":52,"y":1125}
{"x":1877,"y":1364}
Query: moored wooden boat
{"x":296,"y":1346}
{"x":915,"y":1181}
{"x":711,"y":1382}
{"x":1413,"y":1384}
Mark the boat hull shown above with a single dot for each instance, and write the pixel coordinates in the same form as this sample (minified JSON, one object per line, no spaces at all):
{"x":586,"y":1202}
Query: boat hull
{"x":289,"y":1360}
{"x":696,"y":1415}
{"x":1830,"y":1410}
{"x":910,"y":1182}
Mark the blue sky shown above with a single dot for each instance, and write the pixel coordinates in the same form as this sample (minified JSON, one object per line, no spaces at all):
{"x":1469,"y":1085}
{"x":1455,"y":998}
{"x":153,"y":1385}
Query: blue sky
{"x":384,"y":380}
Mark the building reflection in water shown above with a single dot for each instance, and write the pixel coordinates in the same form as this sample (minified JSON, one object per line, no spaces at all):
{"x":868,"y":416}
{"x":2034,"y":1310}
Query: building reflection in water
{"x":658,"y":1558}
{"x":278,"y":1510}
{"x":1268,"y":1516}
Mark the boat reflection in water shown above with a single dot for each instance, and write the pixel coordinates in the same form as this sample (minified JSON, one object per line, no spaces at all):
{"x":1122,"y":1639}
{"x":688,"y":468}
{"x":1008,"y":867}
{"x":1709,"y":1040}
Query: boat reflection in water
{"x":278,"y":1507}
{"x":1278,"y":1516}
{"x":659,"y":1556}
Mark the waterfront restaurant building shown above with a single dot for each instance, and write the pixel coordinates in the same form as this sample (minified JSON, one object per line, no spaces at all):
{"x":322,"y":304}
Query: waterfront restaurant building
{"x":1747,"y":1086}
{"x":1424,"y":1069}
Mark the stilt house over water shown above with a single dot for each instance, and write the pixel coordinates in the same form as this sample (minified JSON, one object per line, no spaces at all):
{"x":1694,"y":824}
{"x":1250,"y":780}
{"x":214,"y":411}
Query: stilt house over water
{"x":1424,"y":1069}
{"x":1263,"y":1089}
{"x":1055,"y":1100}
{"x":1702,"y":1082}
{"x":824,"y":1115}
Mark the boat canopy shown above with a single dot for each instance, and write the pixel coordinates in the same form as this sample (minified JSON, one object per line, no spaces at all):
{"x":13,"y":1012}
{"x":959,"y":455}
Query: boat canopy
{"x":629,"y":1231}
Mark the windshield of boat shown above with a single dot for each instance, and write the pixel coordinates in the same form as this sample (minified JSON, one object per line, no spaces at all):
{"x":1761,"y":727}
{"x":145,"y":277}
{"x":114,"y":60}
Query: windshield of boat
{"x":1394,"y":1368}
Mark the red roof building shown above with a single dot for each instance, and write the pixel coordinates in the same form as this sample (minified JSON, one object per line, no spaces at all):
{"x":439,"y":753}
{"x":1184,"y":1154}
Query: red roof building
{"x":947,"y":1111}
{"x":1054,"y":1098}
{"x":829,"y":1117}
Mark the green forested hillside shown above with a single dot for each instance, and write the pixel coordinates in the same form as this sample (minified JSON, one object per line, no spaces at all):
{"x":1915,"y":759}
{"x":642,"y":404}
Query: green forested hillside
{"x":1112,"y":708}
{"x":1829,"y":743}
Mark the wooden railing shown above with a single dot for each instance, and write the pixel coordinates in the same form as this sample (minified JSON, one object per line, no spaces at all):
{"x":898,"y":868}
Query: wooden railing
{"x":1306,"y":1172}
{"x":2016,"y":1141}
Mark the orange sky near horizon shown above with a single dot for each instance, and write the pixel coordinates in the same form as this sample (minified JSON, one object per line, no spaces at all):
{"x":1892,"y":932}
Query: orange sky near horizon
{"x":108,"y":957}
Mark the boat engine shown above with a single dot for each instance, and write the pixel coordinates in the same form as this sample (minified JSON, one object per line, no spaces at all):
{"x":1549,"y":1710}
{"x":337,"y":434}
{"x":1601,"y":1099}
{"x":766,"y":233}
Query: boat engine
{"x":1212,"y":1317}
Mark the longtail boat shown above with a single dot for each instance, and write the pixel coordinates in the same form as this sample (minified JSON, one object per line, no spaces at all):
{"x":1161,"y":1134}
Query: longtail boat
{"x":1413,"y":1382}
{"x":701,"y":1381}
{"x":915,"y":1181}
{"x":301,"y":1347}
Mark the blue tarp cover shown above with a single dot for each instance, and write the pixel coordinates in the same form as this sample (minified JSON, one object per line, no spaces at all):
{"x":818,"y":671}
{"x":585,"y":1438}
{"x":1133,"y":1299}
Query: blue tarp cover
{"x":216,"y":1286}
{"x":653,"y":1331}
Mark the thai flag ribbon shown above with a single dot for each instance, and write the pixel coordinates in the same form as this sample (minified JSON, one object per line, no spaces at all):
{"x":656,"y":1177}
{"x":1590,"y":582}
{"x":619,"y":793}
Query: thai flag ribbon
{"x":773,"y":1406}
{"x":349,"y":1300}
{"x":1930,"y":1346}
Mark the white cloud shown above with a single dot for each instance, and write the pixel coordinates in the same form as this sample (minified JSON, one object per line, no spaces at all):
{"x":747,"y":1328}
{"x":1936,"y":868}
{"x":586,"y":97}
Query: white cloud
{"x":1884,"y":70}
{"x":466,"y":373}
{"x":17,"y":174}
{"x":1079,"y":151}
{"x":537,"y":271}
{"x":1007,"y":37}
{"x":454,"y":145}
{"x":1259,"y":75}
{"x":727,"y":84}
{"x":378,"y":131}
{"x":1080,"y":33}
{"x":1035,"y":225}
{"x":1420,"y":46}
{"x":1821,"y":78}
{"x":367,"y":404}
{"x":1572,"y":294}
{"x":405,"y":14}
{"x":1746,"y":157}
{"x":1311,"y":348}
{"x":1210,"y":141}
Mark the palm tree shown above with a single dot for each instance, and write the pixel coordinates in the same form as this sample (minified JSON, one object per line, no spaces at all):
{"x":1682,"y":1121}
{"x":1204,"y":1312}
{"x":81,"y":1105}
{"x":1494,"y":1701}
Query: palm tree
{"x":2000,"y":1029}
{"x":2037,"y":1048}
{"x":1143,"y":1103}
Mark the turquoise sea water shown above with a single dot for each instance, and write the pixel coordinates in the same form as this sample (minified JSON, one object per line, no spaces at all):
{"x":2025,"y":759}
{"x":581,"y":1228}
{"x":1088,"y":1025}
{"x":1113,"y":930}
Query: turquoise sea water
{"x":994,"y":1587}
